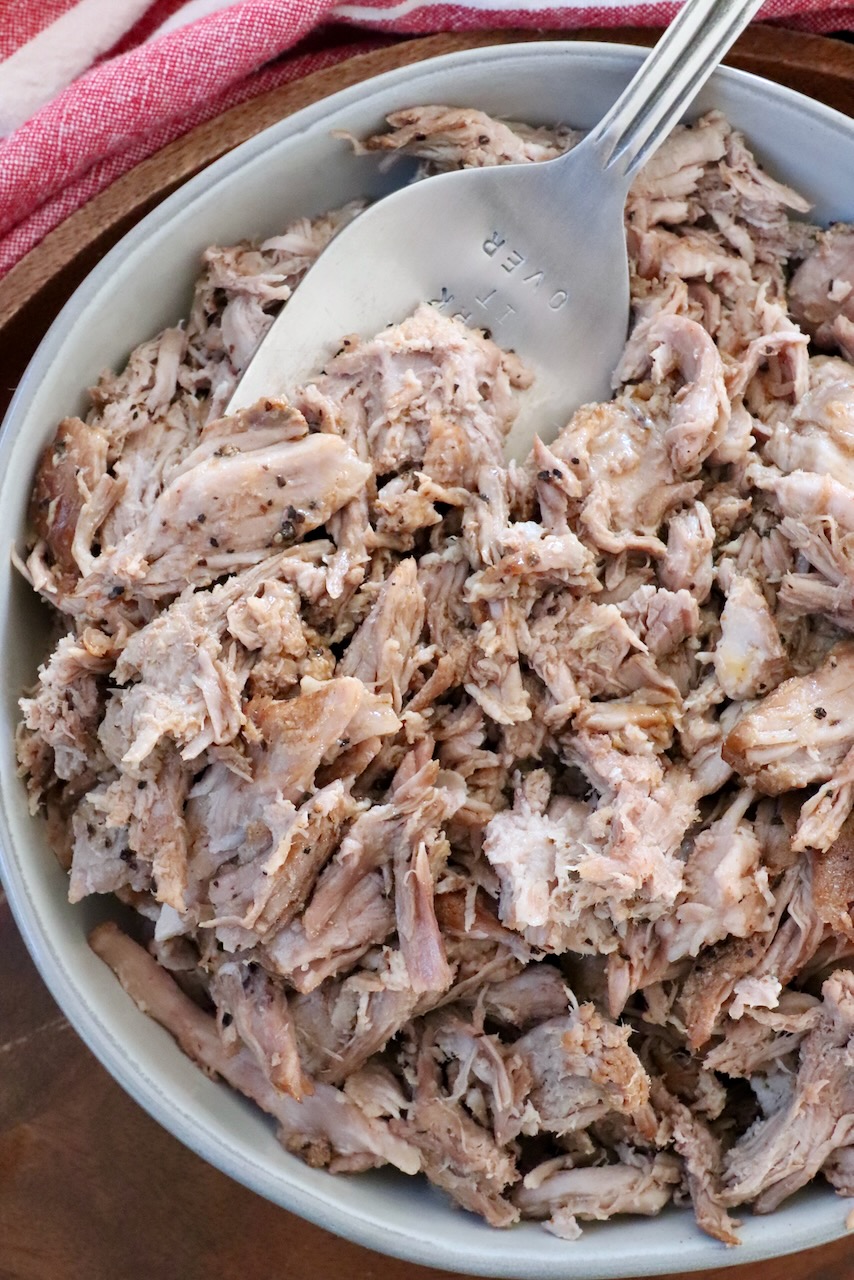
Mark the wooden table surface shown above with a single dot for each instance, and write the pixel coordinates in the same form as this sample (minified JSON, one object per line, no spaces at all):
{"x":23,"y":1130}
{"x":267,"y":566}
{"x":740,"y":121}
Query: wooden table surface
{"x":91,"y":1188}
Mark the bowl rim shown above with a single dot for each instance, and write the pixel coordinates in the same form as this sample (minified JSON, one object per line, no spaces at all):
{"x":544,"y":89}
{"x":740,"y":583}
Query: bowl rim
{"x":370,"y":1231}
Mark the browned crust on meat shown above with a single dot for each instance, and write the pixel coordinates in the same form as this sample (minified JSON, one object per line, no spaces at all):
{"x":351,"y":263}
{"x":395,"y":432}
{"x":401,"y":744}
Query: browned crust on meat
{"x":833,"y":881}
{"x":70,"y":465}
{"x":710,"y":983}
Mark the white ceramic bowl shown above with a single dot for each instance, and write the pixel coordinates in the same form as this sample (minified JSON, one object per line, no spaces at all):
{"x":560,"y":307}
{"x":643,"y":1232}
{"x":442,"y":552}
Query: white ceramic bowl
{"x":294,"y":168}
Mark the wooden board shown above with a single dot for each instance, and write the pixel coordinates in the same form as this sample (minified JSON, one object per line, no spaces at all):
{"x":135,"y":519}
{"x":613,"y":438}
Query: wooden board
{"x":90,"y":1187}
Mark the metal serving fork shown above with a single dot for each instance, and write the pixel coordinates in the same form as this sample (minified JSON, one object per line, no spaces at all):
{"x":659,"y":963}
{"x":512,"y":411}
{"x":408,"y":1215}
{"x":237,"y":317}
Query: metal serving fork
{"x":536,"y":253}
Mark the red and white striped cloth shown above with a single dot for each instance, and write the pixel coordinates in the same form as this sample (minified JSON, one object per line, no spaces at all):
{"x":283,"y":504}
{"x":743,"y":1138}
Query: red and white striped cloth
{"x":88,"y":88}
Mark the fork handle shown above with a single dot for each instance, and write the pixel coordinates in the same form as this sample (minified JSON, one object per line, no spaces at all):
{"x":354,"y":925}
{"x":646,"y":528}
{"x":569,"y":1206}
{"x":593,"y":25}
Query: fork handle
{"x":681,"y":62}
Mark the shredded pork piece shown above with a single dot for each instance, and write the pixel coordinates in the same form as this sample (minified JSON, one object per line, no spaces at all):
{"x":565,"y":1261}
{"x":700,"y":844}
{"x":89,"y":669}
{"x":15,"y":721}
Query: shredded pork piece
{"x":451,"y":137}
{"x":701,"y":1152}
{"x":822,"y":288}
{"x":582,"y":1069}
{"x":328,"y":1127}
{"x":749,"y":657}
{"x":645,"y":1186}
{"x":800,"y":734}
{"x":778,"y":1155}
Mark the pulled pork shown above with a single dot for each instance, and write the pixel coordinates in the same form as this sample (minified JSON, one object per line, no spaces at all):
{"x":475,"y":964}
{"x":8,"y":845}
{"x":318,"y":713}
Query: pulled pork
{"x":491,"y":821}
